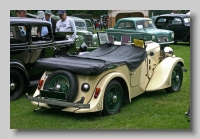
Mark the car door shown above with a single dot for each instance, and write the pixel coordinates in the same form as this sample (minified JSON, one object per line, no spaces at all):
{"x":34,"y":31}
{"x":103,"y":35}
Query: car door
{"x":176,"y":24}
{"x":40,"y":47}
{"x":161,"y":22}
{"x":19,"y":45}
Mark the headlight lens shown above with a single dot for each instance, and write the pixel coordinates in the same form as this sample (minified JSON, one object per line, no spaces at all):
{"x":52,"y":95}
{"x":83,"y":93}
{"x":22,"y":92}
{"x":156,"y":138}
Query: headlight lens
{"x":168,"y":51}
{"x":83,"y":47}
{"x":172,"y":35}
{"x":153,"y":37}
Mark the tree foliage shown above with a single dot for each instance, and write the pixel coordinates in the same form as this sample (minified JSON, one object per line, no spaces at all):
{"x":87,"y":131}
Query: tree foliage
{"x":159,"y":12}
{"x":95,"y":13}
{"x":98,"y":13}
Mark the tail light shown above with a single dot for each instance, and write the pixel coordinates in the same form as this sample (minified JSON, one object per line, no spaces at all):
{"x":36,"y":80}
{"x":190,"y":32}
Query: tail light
{"x":97,"y":91}
{"x":40,"y":84}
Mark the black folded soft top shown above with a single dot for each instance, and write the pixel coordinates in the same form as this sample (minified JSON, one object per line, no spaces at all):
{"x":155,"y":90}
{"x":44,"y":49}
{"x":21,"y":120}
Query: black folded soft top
{"x":97,"y":61}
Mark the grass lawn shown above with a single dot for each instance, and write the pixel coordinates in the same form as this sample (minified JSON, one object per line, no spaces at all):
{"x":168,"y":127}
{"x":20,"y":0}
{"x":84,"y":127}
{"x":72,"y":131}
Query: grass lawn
{"x":151,"y":110}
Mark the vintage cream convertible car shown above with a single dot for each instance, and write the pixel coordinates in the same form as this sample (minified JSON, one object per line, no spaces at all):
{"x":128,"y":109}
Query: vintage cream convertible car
{"x":101,"y":80}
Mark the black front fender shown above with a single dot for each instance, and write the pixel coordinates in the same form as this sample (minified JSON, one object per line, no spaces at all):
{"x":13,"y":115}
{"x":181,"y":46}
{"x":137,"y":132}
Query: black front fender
{"x":14,"y":64}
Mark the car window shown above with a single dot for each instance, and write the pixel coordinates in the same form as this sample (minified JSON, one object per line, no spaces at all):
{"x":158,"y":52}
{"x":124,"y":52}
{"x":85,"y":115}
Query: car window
{"x":148,"y":24}
{"x":187,"y":20}
{"x":121,"y":25}
{"x":88,"y":23}
{"x":161,"y":21}
{"x":177,"y":21}
{"x":38,"y":31}
{"x":18,"y":34}
{"x":139,"y":24}
{"x":129,"y":25}
{"x":80,"y":24}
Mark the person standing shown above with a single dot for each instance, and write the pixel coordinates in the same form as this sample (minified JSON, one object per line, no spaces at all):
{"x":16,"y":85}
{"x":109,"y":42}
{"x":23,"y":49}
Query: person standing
{"x":44,"y":31}
{"x":101,"y":23}
{"x":174,"y":12}
{"x":65,"y":24}
{"x":21,"y":13}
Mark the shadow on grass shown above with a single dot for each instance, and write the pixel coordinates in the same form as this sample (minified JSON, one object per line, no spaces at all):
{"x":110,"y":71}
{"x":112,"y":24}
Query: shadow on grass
{"x":182,"y":44}
{"x":95,"y":115}
{"x":68,"y":115}
{"x":146,"y":95}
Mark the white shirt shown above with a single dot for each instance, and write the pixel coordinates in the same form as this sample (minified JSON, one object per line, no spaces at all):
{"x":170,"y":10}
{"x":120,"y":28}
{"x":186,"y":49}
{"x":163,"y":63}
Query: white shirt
{"x":67,"y":25}
{"x":44,"y":30}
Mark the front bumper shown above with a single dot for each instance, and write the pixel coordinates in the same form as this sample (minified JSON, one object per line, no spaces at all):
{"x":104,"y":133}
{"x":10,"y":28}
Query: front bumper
{"x":57,"y":102}
{"x":165,"y":43}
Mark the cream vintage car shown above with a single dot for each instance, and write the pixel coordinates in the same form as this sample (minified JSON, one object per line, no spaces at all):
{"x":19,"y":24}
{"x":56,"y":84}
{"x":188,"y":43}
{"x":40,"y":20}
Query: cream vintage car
{"x":101,"y":80}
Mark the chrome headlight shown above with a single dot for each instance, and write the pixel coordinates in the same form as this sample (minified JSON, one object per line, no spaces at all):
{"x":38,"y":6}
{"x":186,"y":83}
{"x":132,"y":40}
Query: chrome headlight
{"x":168,"y":51}
{"x":83,"y":47}
{"x":172,"y":35}
{"x":153,"y":37}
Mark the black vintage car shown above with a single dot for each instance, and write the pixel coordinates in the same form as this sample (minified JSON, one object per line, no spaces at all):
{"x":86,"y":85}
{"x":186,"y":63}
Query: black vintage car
{"x":179,"y":23}
{"x":26,"y":47}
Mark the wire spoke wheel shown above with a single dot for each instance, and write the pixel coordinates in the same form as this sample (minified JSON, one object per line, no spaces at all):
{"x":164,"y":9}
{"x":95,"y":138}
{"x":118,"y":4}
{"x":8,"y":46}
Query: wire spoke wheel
{"x":61,"y":82}
{"x":113,"y":98}
{"x":176,"y":79}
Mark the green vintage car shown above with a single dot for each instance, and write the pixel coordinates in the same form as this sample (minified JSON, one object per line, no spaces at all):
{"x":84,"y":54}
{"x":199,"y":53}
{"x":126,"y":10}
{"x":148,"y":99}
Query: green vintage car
{"x":90,"y":27}
{"x":132,"y":25}
{"x":84,"y":35}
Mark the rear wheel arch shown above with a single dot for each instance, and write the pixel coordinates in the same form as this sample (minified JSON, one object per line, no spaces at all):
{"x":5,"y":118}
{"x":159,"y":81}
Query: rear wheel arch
{"x":125,"y":88}
{"x":180,"y":63}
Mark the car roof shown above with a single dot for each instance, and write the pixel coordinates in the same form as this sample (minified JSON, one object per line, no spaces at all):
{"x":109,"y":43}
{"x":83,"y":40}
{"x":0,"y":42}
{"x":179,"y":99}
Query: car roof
{"x":16,"y":20}
{"x":76,"y":18}
{"x":175,"y":15}
{"x":135,"y":18}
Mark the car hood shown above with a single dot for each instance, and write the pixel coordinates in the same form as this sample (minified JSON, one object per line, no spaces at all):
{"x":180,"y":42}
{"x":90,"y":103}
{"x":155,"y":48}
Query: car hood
{"x":84,"y":32}
{"x":158,"y":31}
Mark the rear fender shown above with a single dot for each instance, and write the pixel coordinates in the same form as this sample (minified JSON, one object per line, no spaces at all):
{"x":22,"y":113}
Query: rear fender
{"x":97,"y":104}
{"x":161,"y":77}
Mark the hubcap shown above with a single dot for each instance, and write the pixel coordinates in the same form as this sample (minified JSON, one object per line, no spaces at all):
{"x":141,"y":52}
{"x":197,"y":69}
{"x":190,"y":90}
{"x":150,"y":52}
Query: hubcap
{"x":177,"y":78}
{"x":114,"y":99}
{"x":12,"y":86}
{"x":60,"y":83}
